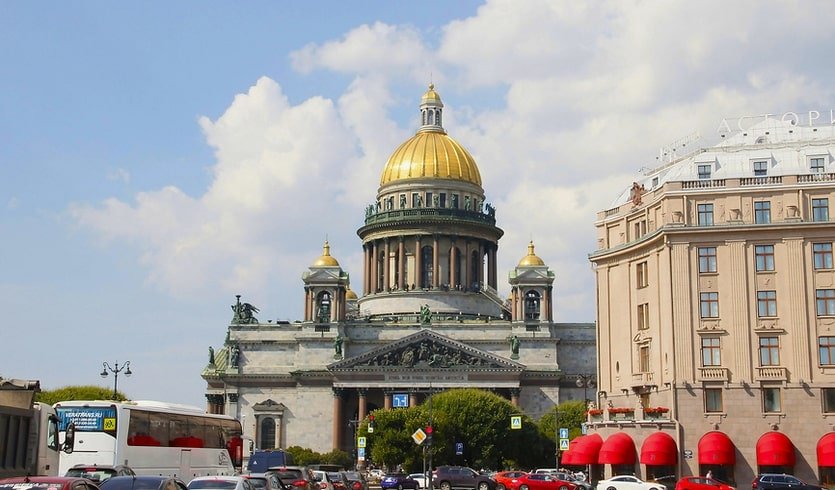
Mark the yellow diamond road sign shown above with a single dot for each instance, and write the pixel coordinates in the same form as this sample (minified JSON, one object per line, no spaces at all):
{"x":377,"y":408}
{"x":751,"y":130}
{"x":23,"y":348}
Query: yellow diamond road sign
{"x":419,"y":436}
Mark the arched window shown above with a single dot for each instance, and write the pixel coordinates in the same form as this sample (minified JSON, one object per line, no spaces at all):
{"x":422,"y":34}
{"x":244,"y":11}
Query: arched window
{"x":438,"y":118}
{"x":475,"y":268}
{"x":455,"y":267}
{"x":323,"y":307}
{"x":267,"y":433}
{"x":427,"y":267}
{"x":532,"y":305}
{"x":430,"y":117}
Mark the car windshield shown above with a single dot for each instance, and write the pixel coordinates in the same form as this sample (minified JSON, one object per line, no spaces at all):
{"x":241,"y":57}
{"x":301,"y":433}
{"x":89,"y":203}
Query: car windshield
{"x":290,"y":476}
{"x":129,"y":483}
{"x":258,"y":483}
{"x":95,"y":474}
{"x":195,"y":484}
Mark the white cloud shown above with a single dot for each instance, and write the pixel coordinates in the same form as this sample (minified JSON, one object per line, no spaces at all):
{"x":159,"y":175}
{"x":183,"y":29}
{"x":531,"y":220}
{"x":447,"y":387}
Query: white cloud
{"x":119,"y":175}
{"x":12,"y":203}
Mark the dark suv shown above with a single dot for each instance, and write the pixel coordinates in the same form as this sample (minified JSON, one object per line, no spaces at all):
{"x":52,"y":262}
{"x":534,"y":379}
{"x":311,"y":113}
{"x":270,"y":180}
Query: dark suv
{"x":449,"y":477}
{"x":775,"y":481}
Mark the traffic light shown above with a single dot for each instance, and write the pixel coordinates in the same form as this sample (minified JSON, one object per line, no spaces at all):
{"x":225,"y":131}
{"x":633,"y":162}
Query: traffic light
{"x":428,"y":434}
{"x":371,"y":423}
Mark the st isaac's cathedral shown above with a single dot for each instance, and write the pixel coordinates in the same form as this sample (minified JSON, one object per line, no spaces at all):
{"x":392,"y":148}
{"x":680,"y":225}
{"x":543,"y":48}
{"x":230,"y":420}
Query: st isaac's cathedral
{"x":429,"y":317}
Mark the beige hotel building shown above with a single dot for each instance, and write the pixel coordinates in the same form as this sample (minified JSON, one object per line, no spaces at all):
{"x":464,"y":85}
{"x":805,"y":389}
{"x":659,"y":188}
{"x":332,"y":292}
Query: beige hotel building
{"x":716,"y":311}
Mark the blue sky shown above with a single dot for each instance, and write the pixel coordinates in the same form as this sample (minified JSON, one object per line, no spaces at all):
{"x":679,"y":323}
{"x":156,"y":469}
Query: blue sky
{"x":159,"y":158}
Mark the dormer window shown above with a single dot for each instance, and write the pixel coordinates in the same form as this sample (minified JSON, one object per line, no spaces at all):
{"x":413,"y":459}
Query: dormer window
{"x":817,"y":164}
{"x":704,"y":171}
{"x":760,"y":168}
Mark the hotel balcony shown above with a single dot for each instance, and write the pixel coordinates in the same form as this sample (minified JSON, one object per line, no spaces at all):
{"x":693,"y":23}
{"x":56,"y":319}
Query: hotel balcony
{"x":714,"y":374}
{"x":771,"y":373}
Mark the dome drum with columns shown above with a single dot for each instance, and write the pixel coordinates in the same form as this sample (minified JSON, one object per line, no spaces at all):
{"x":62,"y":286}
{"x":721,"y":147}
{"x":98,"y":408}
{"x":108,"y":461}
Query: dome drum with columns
{"x":428,"y":316}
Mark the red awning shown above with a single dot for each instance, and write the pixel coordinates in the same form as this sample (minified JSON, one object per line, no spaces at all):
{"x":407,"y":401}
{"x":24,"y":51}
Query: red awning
{"x":716,"y":448}
{"x":826,"y":450}
{"x":659,"y":449}
{"x":583,"y":450}
{"x":618,"y":449}
{"x":775,"y":449}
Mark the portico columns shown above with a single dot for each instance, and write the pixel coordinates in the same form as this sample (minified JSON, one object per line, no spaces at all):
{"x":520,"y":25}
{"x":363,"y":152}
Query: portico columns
{"x":374,"y":264}
{"x":436,"y":272}
{"x":363,"y":403}
{"x":387,"y":401}
{"x":386,"y":266}
{"x":514,"y":396}
{"x":401,"y":264}
{"x":337,"y":417}
{"x":418,"y":264}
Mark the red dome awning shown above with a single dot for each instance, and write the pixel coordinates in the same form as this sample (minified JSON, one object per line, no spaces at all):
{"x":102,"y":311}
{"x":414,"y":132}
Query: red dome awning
{"x":775,"y":449}
{"x":567,"y":457}
{"x":716,"y":448}
{"x":618,"y":449}
{"x":826,"y":450}
{"x":584,"y":450}
{"x":659,"y":449}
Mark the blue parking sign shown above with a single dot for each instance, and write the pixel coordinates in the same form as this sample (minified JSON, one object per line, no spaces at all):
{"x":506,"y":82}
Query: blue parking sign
{"x":459,"y":448}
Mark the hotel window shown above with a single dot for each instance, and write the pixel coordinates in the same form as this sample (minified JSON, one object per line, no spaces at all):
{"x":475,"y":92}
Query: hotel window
{"x":825,"y":300}
{"x":711,"y":352}
{"x":641,"y":275}
{"x":762,"y":212}
{"x":769,"y":351}
{"x":643,"y":316}
{"x":764,"y":255}
{"x":828,"y":397}
{"x":713,"y":400}
{"x":771,"y":400}
{"x":709,"y":305}
{"x":704,"y":171}
{"x":640,"y":229}
{"x":820,"y":209}
{"x":766,"y":303}
{"x":643,"y":358}
{"x":705,"y":214}
{"x":822,"y":253}
{"x":707,"y":259}
{"x":826,"y":346}
{"x":760,"y":168}
{"x":816,"y":164}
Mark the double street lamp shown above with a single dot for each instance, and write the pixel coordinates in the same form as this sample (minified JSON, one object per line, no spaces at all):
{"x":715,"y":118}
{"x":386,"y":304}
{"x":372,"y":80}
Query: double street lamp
{"x":115,"y":370}
{"x":586,"y":381}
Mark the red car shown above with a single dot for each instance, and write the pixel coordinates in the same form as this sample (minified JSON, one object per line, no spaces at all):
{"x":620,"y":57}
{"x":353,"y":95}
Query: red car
{"x":542,"y":481}
{"x":47,"y":483}
{"x":508,"y":480}
{"x":701,"y":483}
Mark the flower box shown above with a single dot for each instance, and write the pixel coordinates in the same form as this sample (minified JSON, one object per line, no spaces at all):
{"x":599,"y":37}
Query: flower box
{"x":594,"y":412}
{"x":656,"y":412}
{"x":621,"y":413}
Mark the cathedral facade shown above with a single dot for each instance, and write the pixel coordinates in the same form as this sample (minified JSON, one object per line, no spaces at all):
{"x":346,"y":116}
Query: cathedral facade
{"x":429,"y":318}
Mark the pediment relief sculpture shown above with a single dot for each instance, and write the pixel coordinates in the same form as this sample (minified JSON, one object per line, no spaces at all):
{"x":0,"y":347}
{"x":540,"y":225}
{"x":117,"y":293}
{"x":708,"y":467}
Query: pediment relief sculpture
{"x":428,"y":354}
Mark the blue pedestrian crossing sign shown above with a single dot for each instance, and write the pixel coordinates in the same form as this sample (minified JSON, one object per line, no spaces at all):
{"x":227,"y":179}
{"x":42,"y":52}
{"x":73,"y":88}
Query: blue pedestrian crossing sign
{"x":563,"y":433}
{"x":515,"y":421}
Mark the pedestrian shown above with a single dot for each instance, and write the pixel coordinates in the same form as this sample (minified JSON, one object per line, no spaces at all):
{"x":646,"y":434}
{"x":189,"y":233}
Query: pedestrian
{"x":709,"y":474}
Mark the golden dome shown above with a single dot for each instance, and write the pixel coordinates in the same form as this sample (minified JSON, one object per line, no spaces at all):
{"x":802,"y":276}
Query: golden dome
{"x":431,"y":154}
{"x":531,"y":258}
{"x":326,"y":260}
{"x":350,"y":294}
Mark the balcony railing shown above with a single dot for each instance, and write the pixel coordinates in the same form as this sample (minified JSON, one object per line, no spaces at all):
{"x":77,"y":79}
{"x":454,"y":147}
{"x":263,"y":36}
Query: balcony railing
{"x":399,"y":215}
{"x":714,"y":374}
{"x":772,"y":373}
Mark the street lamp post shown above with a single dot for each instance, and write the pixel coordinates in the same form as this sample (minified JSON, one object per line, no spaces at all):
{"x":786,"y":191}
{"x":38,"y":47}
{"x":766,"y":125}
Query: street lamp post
{"x":586,"y":381}
{"x":115,"y":370}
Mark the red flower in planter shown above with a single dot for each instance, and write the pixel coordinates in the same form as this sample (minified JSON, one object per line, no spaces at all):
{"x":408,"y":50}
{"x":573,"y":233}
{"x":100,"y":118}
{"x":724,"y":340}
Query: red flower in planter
{"x":654,"y":410}
{"x":594,"y":411}
{"x":621,"y":410}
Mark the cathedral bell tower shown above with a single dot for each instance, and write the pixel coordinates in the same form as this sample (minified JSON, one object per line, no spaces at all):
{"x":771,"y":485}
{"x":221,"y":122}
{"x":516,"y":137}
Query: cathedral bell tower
{"x":325,"y":290}
{"x":531,"y":294}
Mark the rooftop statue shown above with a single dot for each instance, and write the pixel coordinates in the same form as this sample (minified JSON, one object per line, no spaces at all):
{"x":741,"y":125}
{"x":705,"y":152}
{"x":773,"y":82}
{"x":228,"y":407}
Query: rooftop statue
{"x":425,"y":315}
{"x":243,"y":312}
{"x":211,"y":356}
{"x":337,"y":346}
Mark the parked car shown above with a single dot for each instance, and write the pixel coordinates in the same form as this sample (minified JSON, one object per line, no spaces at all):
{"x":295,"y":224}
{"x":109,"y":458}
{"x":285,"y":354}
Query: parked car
{"x":99,"y":473}
{"x":701,"y":483}
{"x":47,"y":483}
{"x":356,"y":480}
{"x":144,"y":482}
{"x":628,"y":482}
{"x":449,"y":477}
{"x":776,"y":481}
{"x":338,"y":480}
{"x":398,"y":481}
{"x":543,"y":481}
{"x":323,"y":479}
{"x":265,"y":482}
{"x":218,"y":482}
{"x":295,"y":477}
{"x":508,"y":480}
{"x":375,"y":475}
{"x":422,"y":479}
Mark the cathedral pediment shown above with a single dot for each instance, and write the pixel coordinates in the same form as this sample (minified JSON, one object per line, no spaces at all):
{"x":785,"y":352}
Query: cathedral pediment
{"x":533,"y":274}
{"x":329,"y":274}
{"x":426,"y":350}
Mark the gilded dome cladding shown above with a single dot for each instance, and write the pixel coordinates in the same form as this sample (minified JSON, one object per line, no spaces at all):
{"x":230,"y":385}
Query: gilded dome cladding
{"x":431,"y":154}
{"x":325,"y":260}
{"x":531,"y":259}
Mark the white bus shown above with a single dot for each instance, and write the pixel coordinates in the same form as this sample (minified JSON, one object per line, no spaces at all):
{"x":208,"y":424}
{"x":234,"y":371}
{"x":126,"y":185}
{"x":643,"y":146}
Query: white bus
{"x":153,"y":438}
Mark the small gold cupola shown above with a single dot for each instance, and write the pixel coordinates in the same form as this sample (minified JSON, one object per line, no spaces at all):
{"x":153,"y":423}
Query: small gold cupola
{"x":326,"y":260}
{"x":531,"y":259}
{"x":431,"y":111}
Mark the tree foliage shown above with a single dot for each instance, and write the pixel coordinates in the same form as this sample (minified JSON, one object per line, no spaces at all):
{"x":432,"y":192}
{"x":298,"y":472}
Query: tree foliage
{"x":81,"y":392}
{"x":572,"y":414}
{"x":305,"y":456}
{"x":478,"y":419}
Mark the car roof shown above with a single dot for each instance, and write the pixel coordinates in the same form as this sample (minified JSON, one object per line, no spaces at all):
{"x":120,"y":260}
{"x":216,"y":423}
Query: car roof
{"x":43,"y":479}
{"x":219,"y":478}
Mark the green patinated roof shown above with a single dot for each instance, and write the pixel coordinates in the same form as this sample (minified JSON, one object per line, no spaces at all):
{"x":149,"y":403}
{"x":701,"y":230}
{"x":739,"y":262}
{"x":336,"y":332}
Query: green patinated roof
{"x":221,"y":363}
